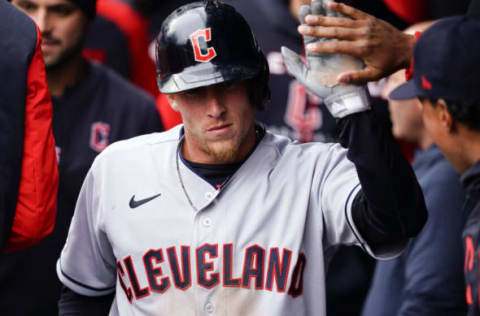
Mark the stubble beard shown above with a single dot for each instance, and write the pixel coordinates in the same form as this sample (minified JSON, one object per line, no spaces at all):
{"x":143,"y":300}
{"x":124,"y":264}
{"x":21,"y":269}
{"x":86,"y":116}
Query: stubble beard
{"x":65,"y":57}
{"x":224,"y":152}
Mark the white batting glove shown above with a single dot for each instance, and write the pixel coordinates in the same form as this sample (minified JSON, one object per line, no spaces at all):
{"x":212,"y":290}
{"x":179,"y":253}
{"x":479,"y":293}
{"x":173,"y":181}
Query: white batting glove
{"x":320,"y":73}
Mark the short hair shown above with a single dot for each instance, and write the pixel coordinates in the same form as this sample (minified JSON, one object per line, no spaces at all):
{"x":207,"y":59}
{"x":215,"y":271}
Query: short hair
{"x":465,"y":111}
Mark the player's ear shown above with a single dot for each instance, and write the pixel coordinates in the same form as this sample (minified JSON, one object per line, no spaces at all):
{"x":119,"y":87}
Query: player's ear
{"x":172,"y":101}
{"x":444,"y":115}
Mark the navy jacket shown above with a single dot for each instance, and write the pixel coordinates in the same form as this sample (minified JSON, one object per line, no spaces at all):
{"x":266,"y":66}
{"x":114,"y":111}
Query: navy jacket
{"x":427,"y":279}
{"x":471,"y":237}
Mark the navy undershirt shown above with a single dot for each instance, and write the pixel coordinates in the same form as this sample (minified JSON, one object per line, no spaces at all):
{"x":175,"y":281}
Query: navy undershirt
{"x":216,"y":175}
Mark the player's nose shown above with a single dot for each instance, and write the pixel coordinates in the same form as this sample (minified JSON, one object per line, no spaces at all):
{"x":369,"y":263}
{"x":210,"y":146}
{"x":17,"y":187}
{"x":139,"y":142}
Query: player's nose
{"x":42,"y":20}
{"x":215,"y":105}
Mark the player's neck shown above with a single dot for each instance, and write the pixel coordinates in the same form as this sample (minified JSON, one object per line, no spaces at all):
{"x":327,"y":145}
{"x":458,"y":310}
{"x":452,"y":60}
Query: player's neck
{"x":68,"y":75}
{"x":425,"y":140}
{"x":467,"y":148}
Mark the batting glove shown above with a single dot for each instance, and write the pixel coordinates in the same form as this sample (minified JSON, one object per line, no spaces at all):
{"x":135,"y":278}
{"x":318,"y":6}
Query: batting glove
{"x":320,"y":73}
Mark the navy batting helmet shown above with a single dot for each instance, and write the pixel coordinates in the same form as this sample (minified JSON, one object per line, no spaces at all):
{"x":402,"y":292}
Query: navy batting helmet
{"x":205,"y":43}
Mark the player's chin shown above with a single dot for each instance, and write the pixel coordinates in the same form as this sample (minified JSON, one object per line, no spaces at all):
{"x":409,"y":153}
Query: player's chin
{"x":225,"y":151}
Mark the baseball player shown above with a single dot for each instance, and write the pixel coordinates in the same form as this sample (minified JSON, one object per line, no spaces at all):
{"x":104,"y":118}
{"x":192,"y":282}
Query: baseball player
{"x":219,"y":216}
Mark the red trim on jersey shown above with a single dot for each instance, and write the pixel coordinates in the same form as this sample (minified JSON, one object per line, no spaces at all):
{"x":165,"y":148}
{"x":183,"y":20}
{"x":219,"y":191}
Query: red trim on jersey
{"x":411,"y":11}
{"x":468,"y":295}
{"x":136,"y":29}
{"x":296,"y":284}
{"x":37,"y":195}
{"x":409,"y":70}
{"x":182,"y":274}
{"x":157,"y":271}
{"x":132,"y":276}
{"x":202,"y":258}
{"x":170,"y":117}
{"x":126,"y":290}
{"x":255,"y":265}
{"x":272,"y":270}
{"x":230,"y":265}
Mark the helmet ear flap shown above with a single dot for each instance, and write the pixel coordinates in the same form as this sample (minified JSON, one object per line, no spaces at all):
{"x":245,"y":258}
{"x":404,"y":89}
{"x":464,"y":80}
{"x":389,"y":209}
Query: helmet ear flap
{"x":259,"y":91}
{"x":266,"y":93}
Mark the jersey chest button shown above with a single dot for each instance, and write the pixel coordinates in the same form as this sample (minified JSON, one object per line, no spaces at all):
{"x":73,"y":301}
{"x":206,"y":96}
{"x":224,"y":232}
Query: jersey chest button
{"x":209,"y":307}
{"x":209,"y":195}
{"x":207,"y":222}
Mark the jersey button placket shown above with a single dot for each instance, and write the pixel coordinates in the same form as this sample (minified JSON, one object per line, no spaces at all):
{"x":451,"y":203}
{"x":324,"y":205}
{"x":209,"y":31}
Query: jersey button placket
{"x":209,"y":307}
{"x":209,"y":195}
{"x":207,"y":222}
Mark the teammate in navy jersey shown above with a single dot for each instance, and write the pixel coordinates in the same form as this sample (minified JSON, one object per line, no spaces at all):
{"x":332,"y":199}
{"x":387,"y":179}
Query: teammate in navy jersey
{"x":119,"y":38}
{"x":446,"y":63}
{"x":29,"y":179}
{"x":93,"y":107}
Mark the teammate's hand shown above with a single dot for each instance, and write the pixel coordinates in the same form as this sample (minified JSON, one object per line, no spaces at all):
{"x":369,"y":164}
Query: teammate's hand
{"x":383,"y":48}
{"x":320,"y":74}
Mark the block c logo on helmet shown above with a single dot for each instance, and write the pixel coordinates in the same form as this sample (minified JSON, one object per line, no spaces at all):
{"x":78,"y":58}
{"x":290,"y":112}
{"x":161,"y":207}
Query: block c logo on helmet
{"x":206,"y":34}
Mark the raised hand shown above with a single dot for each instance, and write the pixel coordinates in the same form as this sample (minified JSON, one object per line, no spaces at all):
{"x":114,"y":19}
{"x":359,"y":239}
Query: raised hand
{"x":321,"y":71}
{"x":383,"y":48}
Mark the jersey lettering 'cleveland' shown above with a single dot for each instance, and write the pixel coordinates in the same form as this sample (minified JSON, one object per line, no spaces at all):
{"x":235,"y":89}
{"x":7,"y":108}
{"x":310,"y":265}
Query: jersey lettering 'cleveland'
{"x":172,"y":267}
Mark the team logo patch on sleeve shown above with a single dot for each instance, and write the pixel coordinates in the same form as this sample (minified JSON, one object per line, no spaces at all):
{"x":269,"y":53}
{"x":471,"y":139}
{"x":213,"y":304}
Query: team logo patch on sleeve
{"x":199,"y":41}
{"x":99,"y":136}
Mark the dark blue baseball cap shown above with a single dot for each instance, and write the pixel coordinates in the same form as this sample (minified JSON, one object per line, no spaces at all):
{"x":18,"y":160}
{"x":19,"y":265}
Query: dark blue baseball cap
{"x":446,"y":62}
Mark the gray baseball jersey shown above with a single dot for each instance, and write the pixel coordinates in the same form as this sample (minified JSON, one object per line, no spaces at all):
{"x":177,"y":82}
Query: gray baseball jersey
{"x":149,"y":228}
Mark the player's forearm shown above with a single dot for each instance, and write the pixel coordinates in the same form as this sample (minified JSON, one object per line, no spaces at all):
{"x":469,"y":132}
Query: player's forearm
{"x":390,"y":207}
{"x":74,"y":304}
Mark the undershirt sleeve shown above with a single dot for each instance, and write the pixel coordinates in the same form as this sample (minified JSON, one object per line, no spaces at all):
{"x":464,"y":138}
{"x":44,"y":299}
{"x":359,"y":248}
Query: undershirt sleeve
{"x":390,"y":207}
{"x":74,"y":304}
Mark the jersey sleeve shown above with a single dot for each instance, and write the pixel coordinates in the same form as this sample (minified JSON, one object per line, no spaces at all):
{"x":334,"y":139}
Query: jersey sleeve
{"x":87,"y":263}
{"x":337,"y":194}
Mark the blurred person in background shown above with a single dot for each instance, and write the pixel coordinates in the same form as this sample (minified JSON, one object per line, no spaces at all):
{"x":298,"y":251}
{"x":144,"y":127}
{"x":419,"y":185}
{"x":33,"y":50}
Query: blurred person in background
{"x":29,"y":174}
{"x":92,"y":107}
{"x":119,"y":38}
{"x":445,"y":81}
{"x":427,"y":279}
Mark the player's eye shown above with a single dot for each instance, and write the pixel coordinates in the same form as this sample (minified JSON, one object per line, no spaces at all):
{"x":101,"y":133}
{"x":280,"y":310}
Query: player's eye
{"x":63,"y":9}
{"x":198,"y":92}
{"x":26,"y":6}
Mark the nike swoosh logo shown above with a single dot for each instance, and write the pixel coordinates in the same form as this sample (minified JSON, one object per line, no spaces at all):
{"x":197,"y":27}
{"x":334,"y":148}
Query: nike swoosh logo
{"x":135,"y":204}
